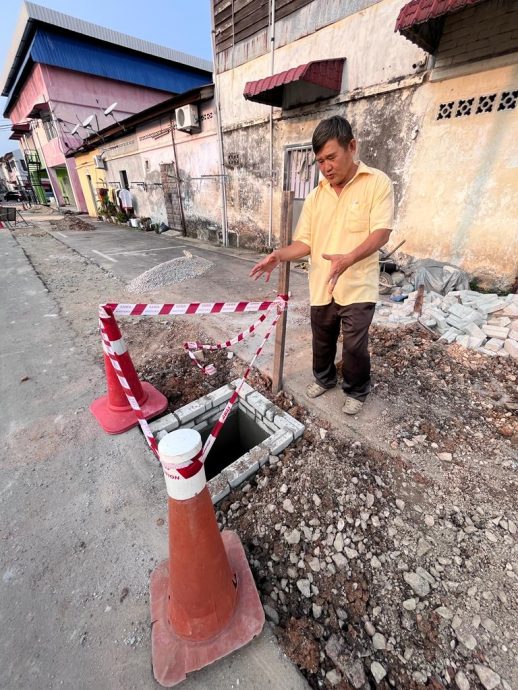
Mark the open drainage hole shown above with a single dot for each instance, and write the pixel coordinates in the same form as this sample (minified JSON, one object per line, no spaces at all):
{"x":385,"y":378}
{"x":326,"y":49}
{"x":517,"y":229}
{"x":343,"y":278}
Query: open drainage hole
{"x":239,"y":434}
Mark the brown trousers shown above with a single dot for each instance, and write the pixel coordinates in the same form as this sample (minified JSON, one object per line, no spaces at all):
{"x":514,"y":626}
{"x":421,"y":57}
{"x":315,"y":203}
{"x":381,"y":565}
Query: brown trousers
{"x":355,"y":320}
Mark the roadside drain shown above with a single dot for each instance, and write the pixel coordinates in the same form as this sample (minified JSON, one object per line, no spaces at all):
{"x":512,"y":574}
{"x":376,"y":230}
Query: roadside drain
{"x":255,"y":429}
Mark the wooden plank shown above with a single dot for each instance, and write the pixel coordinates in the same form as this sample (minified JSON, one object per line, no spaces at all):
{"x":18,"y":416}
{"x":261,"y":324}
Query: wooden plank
{"x":257,"y":20}
{"x":286,"y":7}
{"x":284,"y":286}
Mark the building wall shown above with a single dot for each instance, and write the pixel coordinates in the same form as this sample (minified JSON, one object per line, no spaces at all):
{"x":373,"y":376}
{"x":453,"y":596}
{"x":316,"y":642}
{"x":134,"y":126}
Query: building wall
{"x":374,"y":54}
{"x":141,"y":153}
{"x":84,"y":164}
{"x":456,"y":177}
{"x":483,"y":31}
{"x":74,"y":96}
{"x":461,"y":182}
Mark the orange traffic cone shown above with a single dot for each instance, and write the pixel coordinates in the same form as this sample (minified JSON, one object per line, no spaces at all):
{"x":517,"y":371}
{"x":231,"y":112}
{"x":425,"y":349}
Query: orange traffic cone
{"x":204,"y":603}
{"x":113,"y":411}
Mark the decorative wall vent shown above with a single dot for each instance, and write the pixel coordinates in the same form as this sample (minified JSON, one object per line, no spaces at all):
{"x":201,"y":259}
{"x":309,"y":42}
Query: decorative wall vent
{"x":508,"y":100}
{"x":484,"y":104}
{"x":445,"y":110}
{"x":464,"y":107}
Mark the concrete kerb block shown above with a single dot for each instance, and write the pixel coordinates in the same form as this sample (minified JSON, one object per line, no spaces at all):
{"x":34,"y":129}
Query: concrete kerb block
{"x":219,"y":488}
{"x":495,"y":331}
{"x":191,"y":411}
{"x":241,"y":470}
{"x":290,"y":424}
{"x":279,"y":441}
{"x":475,"y":331}
{"x":258,"y":402}
{"x":511,"y":346}
{"x":494,"y":344}
{"x":221,"y":395}
{"x":167,"y":423}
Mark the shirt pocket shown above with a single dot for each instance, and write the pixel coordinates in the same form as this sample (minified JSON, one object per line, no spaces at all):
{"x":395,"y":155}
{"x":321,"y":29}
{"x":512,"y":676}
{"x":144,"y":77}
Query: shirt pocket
{"x":358,"y":216}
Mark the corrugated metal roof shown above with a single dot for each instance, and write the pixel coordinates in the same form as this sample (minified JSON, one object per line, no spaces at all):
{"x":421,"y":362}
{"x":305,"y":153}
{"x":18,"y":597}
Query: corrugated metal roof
{"x":32,"y":14}
{"x":416,"y":19}
{"x":326,"y":74}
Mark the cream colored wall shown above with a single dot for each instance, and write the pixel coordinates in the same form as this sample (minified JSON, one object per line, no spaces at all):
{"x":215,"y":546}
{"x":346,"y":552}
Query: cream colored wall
{"x":460,"y":185}
{"x":375,"y":55}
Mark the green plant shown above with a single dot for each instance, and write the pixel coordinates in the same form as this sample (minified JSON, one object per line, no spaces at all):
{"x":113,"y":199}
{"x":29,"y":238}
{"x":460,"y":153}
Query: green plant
{"x":121,"y":217}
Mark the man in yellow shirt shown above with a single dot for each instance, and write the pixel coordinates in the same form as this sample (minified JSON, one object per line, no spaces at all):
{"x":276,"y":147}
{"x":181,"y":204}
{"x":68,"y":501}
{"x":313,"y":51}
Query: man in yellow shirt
{"x":345,"y":220}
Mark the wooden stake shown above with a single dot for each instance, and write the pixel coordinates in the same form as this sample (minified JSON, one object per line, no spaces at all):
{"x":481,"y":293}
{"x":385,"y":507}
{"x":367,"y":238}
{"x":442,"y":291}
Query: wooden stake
{"x":284,"y":286}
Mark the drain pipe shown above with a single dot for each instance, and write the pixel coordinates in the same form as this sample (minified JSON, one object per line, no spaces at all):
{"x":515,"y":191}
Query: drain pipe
{"x":222,"y":175}
{"x":272,"y":55}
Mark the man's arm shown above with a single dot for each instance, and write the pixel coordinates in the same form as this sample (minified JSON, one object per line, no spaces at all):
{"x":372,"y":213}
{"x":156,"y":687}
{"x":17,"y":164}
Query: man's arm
{"x":295,"y":250}
{"x":341,"y":262}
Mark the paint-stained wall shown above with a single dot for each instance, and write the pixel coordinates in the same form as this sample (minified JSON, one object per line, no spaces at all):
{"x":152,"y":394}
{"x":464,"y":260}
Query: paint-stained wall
{"x":455,"y":176}
{"x":461,"y":181}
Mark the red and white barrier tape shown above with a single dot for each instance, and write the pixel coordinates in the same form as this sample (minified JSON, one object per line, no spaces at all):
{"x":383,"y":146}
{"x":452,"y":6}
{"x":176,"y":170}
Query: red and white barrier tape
{"x":190,"y":309}
{"x":210,"y":369}
{"x":107,"y":311}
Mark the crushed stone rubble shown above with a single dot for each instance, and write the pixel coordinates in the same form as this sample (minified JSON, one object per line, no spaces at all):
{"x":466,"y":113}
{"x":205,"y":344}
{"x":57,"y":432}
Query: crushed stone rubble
{"x":487,"y":323}
{"x":173,"y":271}
{"x":371,"y":589}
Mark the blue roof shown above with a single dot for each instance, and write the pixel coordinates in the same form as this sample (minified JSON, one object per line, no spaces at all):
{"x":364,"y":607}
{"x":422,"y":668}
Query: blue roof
{"x":72,"y":52}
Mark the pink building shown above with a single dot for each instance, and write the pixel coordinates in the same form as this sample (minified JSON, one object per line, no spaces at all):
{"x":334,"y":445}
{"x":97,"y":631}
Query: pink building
{"x":63,"y":73}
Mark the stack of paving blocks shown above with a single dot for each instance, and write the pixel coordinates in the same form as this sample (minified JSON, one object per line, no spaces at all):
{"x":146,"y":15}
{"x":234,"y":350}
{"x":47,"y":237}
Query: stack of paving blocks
{"x":485,"y":322}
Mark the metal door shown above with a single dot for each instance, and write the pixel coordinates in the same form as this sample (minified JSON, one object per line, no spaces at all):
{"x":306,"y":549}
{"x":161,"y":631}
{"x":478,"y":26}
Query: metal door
{"x":300,"y":175}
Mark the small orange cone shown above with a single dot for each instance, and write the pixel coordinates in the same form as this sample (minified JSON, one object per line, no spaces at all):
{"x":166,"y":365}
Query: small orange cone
{"x":113,"y":411}
{"x":204,"y":603}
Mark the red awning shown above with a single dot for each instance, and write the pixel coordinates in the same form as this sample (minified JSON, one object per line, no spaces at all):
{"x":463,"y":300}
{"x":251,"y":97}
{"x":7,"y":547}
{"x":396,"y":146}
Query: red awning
{"x":421,"y":21}
{"x":37,"y":110}
{"x":19,"y":129}
{"x":299,"y":85}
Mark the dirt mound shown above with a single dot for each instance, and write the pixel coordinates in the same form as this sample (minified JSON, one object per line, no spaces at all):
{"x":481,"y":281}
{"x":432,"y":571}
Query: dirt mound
{"x":71,"y":222}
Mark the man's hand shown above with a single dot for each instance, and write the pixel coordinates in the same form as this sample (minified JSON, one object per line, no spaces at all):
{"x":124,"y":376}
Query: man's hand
{"x":339,"y":264}
{"x":265,"y":266}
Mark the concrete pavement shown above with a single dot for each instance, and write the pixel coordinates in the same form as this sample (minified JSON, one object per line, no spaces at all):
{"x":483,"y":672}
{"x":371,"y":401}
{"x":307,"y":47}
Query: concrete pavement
{"x":82,"y":512}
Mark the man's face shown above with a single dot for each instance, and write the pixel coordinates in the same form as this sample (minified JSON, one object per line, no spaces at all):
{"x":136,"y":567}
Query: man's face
{"x":336,"y":163}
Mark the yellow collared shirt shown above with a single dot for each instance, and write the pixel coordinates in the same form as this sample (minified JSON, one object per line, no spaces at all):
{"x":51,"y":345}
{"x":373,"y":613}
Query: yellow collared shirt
{"x":332,"y":224}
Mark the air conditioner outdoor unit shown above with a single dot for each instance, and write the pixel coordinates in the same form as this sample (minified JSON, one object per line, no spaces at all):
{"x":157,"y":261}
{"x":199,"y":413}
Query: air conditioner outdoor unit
{"x":187,"y":118}
{"x":99,"y":162}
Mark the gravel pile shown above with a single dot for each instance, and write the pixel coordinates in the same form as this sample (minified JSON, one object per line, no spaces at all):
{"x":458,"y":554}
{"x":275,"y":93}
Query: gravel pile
{"x":174,"y":271}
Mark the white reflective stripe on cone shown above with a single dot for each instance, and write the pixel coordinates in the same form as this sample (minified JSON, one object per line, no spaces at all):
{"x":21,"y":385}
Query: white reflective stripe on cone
{"x":119,"y":346}
{"x":177,"y":448}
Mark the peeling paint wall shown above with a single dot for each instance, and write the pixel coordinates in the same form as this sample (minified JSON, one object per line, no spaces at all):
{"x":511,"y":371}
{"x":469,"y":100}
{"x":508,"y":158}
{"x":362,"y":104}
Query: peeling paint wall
{"x":461,"y":185}
{"x":142,"y":153}
{"x":456,"y":178}
{"x":374,"y":55}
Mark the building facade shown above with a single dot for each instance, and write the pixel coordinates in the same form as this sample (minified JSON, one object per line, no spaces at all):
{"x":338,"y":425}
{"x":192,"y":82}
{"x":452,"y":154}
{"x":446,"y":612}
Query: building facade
{"x":170,"y":169}
{"x":430,"y":89}
{"x":13,"y":171}
{"x":65,"y":78}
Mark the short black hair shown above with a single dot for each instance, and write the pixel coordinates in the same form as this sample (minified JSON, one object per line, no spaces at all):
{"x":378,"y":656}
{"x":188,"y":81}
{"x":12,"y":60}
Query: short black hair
{"x":336,"y":127}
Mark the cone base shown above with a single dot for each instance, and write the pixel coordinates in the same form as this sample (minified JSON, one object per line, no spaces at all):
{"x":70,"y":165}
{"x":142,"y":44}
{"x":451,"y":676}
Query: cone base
{"x":173,"y":656}
{"x":119,"y":421}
